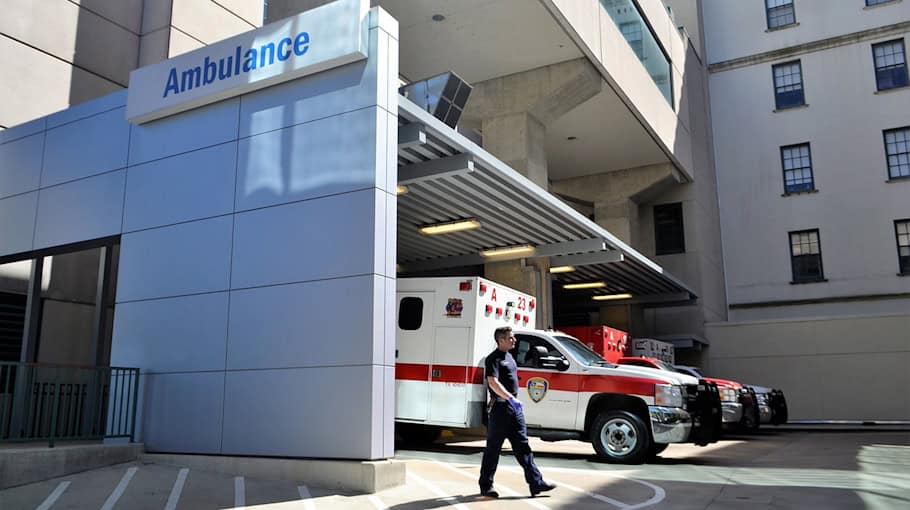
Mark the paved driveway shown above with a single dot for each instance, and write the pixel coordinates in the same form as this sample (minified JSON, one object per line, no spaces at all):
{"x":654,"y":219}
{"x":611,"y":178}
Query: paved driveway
{"x":798,"y":470}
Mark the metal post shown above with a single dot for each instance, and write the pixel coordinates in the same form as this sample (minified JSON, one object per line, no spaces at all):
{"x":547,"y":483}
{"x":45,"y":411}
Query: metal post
{"x":101,"y":299}
{"x":29,"y":348}
{"x":135,"y":405}
{"x":56,"y":404}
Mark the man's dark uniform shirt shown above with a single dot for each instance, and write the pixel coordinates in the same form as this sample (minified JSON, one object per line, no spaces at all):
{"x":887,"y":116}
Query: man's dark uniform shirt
{"x":502,"y":366}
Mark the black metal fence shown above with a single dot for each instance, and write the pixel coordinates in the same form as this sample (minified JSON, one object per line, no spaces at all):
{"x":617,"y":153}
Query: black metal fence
{"x":57,"y":402}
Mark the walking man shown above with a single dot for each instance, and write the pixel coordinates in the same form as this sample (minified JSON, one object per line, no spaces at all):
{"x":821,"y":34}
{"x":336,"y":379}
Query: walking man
{"x":506,"y":418}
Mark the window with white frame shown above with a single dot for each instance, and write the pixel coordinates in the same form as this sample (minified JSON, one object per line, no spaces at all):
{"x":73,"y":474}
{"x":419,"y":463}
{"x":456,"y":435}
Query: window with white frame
{"x":897,"y":150}
{"x":780,"y":13}
{"x":806,"y":256}
{"x":890,"y":64}
{"x":902,"y":231}
{"x":797,"y":165}
{"x":788,"y":85}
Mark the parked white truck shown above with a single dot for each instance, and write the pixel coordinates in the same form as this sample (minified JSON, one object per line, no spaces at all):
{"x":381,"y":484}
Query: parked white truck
{"x":444,"y":332}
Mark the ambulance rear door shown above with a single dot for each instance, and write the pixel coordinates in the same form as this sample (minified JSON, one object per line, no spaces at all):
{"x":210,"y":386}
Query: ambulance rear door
{"x":415,"y":334}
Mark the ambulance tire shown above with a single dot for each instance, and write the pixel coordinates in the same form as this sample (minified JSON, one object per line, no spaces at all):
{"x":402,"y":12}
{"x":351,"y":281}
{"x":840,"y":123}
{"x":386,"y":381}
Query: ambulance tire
{"x":417,"y":435}
{"x":621,"y":437}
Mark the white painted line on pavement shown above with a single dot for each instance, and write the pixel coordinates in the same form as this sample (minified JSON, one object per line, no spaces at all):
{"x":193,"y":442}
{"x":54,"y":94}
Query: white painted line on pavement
{"x":659,"y":493}
{"x":437,"y":491}
{"x":377,"y":502}
{"x":502,"y":488}
{"x":599,"y":497}
{"x":239,"y":492}
{"x":176,"y":490}
{"x":118,"y":491}
{"x":308,"y":503}
{"x":54,"y":496}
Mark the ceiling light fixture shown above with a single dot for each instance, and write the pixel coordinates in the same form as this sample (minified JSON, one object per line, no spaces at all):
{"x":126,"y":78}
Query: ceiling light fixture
{"x":401,"y":190}
{"x":438,"y":17}
{"x":509,"y":250}
{"x":589,"y":285}
{"x":449,"y":227}
{"x":611,"y":297}
{"x":562,"y":269}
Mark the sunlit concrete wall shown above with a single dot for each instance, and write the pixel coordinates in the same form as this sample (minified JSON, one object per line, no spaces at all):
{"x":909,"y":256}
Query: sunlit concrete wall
{"x":257,"y":263}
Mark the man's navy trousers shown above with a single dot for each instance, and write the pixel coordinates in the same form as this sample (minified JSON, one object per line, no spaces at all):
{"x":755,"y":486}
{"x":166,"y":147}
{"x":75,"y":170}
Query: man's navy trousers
{"x":506,"y":422}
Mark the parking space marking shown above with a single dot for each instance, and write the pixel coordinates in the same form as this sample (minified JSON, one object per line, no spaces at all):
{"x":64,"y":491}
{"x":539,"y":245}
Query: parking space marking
{"x":659,"y":493}
{"x":118,"y":491}
{"x":306,"y":497}
{"x":599,"y":497}
{"x":502,"y":488}
{"x":176,"y":490}
{"x":54,"y":496}
{"x":239,"y":492}
{"x":437,"y":491}
{"x":377,"y":502}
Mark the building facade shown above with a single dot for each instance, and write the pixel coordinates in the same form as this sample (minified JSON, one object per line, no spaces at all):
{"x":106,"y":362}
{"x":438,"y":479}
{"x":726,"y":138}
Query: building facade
{"x":809,"y":102}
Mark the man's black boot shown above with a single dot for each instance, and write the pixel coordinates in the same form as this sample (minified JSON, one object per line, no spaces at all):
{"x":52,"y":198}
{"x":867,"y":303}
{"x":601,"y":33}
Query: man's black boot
{"x":489,"y":493}
{"x":544,"y":487}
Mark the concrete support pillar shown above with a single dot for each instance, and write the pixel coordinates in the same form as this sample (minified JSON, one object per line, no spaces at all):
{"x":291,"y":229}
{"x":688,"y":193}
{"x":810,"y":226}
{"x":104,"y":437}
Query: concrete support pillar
{"x":620,"y":217}
{"x":518,"y":139}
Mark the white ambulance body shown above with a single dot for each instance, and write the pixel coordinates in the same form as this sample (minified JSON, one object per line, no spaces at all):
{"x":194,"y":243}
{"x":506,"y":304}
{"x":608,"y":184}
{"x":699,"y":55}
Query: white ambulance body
{"x":445,"y":331}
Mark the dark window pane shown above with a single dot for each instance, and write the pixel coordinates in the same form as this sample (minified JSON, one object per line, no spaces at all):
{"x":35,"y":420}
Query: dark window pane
{"x":669,"y":234}
{"x":897,"y":150}
{"x":902,"y":231}
{"x":806,"y":256}
{"x":797,"y":164}
{"x":780,"y":13}
{"x":890,"y":64}
{"x":788,"y":85}
{"x":410,"y":314}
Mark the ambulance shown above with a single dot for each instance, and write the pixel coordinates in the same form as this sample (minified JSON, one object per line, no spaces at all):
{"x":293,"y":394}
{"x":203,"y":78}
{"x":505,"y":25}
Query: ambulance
{"x":445,"y":331}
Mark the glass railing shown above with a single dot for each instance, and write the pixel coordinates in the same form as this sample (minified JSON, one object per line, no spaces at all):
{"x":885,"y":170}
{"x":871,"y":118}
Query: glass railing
{"x":628,"y":19}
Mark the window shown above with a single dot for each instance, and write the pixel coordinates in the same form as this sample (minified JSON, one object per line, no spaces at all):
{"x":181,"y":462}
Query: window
{"x":902,"y":231}
{"x":638,"y":34}
{"x":897,"y":149}
{"x":527,"y":354}
{"x":877,"y":2}
{"x":669,"y":236}
{"x":806,"y":256}
{"x":890,"y":64}
{"x":632,"y":32}
{"x":797,"y":165}
{"x":410,"y":314}
{"x":780,"y":13}
{"x":788,"y":85}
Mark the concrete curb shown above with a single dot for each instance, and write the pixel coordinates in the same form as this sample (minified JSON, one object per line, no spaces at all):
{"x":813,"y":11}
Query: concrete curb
{"x":20,"y":466}
{"x":352,"y":475}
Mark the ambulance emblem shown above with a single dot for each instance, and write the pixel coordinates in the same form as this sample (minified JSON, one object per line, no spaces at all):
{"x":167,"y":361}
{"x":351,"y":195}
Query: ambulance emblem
{"x":537,"y":388}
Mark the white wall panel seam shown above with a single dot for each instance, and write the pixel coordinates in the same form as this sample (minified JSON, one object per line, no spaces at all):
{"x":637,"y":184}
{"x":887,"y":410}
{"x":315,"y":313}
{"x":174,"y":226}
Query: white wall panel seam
{"x":174,"y":27}
{"x":310,"y":199}
{"x":38,"y":198}
{"x":67,"y":62}
{"x":126,"y":177}
{"x":315,"y":119}
{"x":182,"y":222}
{"x":100,"y":112}
{"x":131,"y":165}
{"x":105,"y":18}
{"x":241,"y":18}
{"x":99,"y":174}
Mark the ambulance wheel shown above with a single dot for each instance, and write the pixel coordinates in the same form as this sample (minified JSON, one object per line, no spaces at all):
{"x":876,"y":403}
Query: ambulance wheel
{"x":620,"y":437}
{"x":417,"y":435}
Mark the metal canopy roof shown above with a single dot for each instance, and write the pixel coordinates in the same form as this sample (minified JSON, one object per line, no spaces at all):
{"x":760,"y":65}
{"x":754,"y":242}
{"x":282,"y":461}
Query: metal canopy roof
{"x":450,"y":178}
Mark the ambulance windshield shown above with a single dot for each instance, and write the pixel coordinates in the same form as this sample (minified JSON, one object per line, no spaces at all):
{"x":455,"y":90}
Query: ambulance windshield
{"x":581,"y":352}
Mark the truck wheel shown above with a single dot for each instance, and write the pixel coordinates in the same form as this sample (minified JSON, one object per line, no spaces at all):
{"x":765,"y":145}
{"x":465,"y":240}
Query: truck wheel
{"x":620,"y":437}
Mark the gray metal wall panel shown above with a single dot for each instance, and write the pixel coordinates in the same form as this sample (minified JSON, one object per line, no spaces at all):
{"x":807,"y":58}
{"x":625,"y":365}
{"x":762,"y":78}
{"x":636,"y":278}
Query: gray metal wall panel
{"x":302,"y":325}
{"x":309,"y":412}
{"x":88,"y":109}
{"x":322,"y":238}
{"x":195,"y":129}
{"x":20,"y":165}
{"x":195,"y":185}
{"x":80,"y":210}
{"x":86,"y":147}
{"x":309,"y":160}
{"x":22,"y":130}
{"x":343,"y":89}
{"x":182,"y":412}
{"x":17,"y":223}
{"x":180,"y":334}
{"x":188,"y":258}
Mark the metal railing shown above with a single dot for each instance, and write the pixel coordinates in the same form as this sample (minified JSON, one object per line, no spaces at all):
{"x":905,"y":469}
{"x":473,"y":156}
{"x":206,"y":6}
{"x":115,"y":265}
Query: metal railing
{"x":41,"y":402}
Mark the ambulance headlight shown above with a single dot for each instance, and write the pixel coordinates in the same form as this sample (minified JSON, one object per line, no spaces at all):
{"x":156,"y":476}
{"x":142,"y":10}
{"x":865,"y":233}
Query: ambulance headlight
{"x":668,"y":395}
